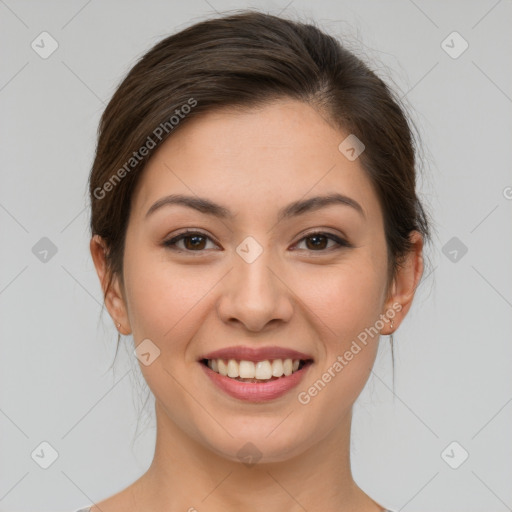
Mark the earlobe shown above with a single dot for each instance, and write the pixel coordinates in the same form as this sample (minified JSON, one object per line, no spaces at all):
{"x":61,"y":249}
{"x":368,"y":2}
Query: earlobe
{"x":112,"y":296}
{"x":406,"y":281}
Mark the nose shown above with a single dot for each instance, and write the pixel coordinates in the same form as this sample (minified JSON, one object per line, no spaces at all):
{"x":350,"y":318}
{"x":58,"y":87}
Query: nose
{"x":255,"y":295}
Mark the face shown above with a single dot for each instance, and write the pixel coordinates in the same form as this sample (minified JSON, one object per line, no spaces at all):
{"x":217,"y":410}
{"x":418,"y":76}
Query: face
{"x":259,"y":280}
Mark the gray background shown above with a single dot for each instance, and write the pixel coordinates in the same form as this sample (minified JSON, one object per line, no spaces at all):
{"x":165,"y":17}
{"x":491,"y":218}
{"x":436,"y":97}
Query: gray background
{"x":453,"y":352}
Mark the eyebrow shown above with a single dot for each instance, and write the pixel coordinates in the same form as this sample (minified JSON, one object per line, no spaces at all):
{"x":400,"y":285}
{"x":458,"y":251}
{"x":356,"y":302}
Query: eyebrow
{"x":300,"y":207}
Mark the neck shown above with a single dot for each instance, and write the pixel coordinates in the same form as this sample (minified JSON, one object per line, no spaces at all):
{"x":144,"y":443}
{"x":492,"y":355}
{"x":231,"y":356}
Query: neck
{"x":185,"y":475}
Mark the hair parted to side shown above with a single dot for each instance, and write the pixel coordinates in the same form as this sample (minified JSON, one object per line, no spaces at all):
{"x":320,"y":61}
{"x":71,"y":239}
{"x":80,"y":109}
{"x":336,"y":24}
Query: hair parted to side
{"x":245,"y":60}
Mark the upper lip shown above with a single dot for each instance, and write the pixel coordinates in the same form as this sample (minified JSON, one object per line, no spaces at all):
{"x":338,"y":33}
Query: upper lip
{"x":256,"y":354}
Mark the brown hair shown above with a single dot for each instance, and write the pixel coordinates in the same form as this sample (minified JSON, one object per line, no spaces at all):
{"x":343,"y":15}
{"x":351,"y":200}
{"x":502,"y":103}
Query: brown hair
{"x":244,"y":60}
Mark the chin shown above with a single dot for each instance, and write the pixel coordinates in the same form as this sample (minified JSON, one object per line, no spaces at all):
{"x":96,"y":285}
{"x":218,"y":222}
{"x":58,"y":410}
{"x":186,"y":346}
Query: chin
{"x":264,"y":440}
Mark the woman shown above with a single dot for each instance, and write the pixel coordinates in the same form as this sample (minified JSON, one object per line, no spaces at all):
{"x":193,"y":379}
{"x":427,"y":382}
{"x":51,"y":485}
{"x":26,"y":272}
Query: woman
{"x":255,"y":229}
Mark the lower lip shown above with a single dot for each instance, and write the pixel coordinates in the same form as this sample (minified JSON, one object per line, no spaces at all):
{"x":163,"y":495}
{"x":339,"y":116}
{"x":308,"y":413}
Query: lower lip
{"x":253,"y":391}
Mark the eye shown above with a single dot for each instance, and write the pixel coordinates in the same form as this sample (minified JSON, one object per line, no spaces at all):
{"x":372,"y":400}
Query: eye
{"x":319,"y":240}
{"x":194,"y":241}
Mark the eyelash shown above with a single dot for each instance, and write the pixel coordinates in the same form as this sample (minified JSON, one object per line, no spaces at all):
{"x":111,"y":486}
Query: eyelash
{"x":171,"y":244}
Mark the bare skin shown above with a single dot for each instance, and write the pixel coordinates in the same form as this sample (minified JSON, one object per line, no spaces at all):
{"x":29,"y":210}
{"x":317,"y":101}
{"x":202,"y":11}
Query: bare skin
{"x":315,"y":298}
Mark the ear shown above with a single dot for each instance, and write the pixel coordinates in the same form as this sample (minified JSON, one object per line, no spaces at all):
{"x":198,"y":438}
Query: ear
{"x":406,"y":281}
{"x":114,"y":298}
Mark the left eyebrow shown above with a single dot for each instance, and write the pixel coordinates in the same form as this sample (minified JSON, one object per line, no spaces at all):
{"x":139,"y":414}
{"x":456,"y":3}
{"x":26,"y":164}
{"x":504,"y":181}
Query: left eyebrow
{"x":316,"y":203}
{"x":296,"y":208}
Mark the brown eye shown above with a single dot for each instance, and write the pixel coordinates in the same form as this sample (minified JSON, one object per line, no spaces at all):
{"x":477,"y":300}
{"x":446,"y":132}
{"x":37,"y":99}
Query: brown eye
{"x":192,"y":242}
{"x":196,"y":242}
{"x":318,"y":242}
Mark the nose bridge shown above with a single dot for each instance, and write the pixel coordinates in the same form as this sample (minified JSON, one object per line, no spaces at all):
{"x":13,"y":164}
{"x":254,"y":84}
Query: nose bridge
{"x":253,"y":293}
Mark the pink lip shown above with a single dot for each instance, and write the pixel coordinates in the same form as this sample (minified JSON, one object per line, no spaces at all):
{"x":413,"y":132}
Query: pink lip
{"x":255,"y":354}
{"x":254,"y":391}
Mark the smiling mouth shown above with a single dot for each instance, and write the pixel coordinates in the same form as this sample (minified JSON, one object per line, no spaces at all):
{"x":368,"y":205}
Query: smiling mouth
{"x":256,"y":371}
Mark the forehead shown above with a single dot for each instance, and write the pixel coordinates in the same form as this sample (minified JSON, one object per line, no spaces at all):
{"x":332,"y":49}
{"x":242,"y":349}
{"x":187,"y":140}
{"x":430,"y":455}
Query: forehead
{"x":255,"y":159}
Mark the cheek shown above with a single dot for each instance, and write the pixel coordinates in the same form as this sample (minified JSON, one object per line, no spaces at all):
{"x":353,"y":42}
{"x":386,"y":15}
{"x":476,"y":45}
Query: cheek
{"x":164,"y":299}
{"x":346,"y":298}
{"x":164,"y":304}
{"x":346,"y":306}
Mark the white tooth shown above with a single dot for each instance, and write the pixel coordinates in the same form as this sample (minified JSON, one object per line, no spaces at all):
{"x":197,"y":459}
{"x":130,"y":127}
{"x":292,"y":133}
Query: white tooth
{"x":232,"y":368}
{"x":277,"y":367}
{"x":209,"y":363}
{"x":214,"y":365}
{"x":296,"y":363}
{"x":287,"y":367}
{"x":223,"y":369}
{"x":246,"y":369}
{"x":263,"y":370}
